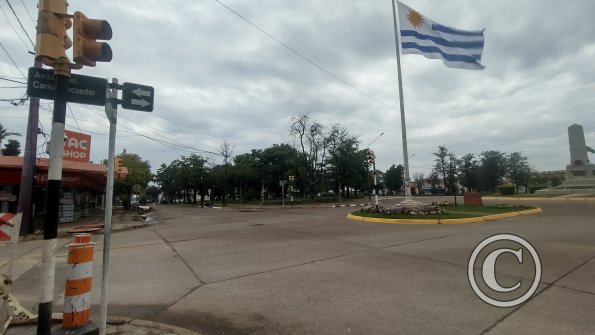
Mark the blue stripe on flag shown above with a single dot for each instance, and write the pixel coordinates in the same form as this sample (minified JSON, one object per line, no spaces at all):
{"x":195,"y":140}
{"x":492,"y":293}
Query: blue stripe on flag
{"x":442,"y":41}
{"x":449,"y":57}
{"x":449,"y":30}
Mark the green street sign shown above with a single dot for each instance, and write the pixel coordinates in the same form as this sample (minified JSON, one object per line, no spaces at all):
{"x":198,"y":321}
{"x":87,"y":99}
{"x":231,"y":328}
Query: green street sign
{"x":81,"y":89}
{"x":137,"y":97}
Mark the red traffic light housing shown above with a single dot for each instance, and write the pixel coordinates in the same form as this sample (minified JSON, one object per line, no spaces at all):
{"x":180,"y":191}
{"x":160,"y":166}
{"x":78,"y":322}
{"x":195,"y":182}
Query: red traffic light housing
{"x":86,"y":49}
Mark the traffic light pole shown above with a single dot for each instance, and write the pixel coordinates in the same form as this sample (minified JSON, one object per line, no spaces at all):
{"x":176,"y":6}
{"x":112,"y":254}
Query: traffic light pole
{"x":111,"y":111}
{"x":50,"y":228}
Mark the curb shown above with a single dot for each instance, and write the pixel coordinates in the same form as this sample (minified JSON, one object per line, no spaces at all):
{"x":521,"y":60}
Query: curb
{"x":115,"y":325}
{"x":539,"y":199}
{"x":446,"y":221}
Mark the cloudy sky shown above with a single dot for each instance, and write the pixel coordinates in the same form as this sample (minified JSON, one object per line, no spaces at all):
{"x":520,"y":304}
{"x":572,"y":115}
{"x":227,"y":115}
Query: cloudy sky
{"x":217,"y":77}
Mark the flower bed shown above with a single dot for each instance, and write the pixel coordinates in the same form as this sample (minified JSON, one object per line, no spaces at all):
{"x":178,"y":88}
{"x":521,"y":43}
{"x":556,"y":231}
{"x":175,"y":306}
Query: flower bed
{"x":417,"y":210}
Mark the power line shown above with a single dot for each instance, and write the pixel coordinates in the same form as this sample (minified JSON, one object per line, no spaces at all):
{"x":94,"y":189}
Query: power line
{"x":13,"y":62}
{"x":170,"y":144}
{"x":29,"y":13}
{"x":14,"y":81}
{"x":75,"y":121}
{"x":299,"y":54}
{"x":13,"y":29}
{"x":20,"y":23}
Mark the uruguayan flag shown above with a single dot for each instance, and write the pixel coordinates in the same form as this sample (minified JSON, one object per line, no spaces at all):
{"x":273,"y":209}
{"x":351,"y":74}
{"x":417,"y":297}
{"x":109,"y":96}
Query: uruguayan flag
{"x":457,"y":48}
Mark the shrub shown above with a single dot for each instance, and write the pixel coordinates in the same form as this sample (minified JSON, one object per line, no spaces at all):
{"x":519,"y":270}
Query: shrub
{"x":506,"y":189}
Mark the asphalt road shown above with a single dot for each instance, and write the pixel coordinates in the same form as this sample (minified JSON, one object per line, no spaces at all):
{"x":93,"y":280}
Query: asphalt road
{"x":312,"y":271}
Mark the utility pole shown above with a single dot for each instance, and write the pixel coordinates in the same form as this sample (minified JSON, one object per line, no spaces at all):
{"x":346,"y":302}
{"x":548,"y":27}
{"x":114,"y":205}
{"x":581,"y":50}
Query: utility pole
{"x":26,"y":194}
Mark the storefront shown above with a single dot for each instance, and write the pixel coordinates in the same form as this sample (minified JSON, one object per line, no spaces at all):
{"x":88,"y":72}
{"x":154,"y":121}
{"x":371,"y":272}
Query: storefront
{"x":83,"y":187}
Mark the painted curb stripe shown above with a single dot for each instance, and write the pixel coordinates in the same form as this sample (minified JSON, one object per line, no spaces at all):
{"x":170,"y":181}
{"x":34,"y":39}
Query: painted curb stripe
{"x":537,"y":199}
{"x":446,"y":221}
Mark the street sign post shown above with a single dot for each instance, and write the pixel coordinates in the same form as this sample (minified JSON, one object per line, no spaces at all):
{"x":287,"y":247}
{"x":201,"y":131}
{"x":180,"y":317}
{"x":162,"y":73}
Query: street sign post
{"x":81,"y":89}
{"x":137,"y":97}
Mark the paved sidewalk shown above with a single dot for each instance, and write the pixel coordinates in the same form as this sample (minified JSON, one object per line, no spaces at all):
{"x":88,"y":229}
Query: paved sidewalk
{"x":121,"y":220}
{"x":116,"y":326}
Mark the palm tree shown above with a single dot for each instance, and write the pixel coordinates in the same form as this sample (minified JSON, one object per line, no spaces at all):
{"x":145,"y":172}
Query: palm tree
{"x":5,"y":134}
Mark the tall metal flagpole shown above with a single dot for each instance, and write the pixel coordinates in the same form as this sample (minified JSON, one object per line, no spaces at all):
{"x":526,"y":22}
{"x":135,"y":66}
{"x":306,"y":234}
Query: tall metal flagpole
{"x":408,"y":199}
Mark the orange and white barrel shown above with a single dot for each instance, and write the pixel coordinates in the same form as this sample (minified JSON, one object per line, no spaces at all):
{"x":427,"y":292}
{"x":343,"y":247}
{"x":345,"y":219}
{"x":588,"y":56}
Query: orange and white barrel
{"x":77,"y":295}
{"x":6,"y":226}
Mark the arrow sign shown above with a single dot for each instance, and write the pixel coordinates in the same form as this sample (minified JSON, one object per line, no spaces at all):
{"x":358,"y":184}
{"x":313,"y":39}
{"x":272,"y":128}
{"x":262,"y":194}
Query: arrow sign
{"x":137,"y":97}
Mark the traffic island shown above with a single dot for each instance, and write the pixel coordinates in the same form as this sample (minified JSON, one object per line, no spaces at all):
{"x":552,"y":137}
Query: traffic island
{"x":441,"y":214}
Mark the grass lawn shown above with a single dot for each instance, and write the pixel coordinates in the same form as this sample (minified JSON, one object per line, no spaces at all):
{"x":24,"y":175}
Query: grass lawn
{"x":458,"y":212}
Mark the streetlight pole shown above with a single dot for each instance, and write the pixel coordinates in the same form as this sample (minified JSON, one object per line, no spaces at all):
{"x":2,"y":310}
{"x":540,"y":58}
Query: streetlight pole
{"x":374,"y":172}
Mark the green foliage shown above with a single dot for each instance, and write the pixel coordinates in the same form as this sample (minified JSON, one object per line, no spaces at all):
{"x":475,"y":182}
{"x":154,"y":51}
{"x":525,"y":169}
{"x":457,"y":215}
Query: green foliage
{"x":139,"y":172}
{"x":506,"y":189}
{"x":152,"y":193}
{"x":393,"y":178}
{"x":518,"y":169}
{"x":469,"y":171}
{"x":12,"y":148}
{"x":493,"y":169}
{"x":4,"y":134}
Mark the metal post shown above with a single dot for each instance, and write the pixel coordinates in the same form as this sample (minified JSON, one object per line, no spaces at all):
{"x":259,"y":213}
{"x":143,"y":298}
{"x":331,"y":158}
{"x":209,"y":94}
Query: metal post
{"x":408,"y":199}
{"x":27,"y":175}
{"x":50,"y":228}
{"x":375,"y":187}
{"x":283,"y":193}
{"x":111,"y":111}
{"x":368,"y":177}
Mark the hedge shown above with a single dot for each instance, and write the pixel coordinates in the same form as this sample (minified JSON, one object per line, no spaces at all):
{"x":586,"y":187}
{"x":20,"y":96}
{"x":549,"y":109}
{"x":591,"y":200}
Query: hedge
{"x":506,"y":189}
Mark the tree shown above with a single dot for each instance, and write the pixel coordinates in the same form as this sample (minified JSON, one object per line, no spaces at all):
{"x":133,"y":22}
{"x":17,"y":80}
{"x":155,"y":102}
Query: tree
{"x":441,"y":164}
{"x":4,"y":134}
{"x":434,"y":181}
{"x":152,"y":193}
{"x":493,"y":169}
{"x":312,"y":145}
{"x":139,"y":172}
{"x":452,"y":173}
{"x":519,"y":171}
{"x":11,"y":148}
{"x":393,"y":178}
{"x":346,"y":162}
{"x":226,"y":151}
{"x":276,"y":163}
{"x":469,"y":172}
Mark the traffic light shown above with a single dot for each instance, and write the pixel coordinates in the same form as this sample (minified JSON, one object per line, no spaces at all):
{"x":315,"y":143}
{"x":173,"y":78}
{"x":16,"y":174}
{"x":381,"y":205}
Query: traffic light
{"x":117,"y":164}
{"x":52,"y":24}
{"x":371,"y":156}
{"x":86,"y":32}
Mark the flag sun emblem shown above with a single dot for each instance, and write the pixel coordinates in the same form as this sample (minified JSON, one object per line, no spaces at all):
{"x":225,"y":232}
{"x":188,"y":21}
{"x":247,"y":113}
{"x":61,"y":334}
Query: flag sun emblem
{"x":415,"y":18}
